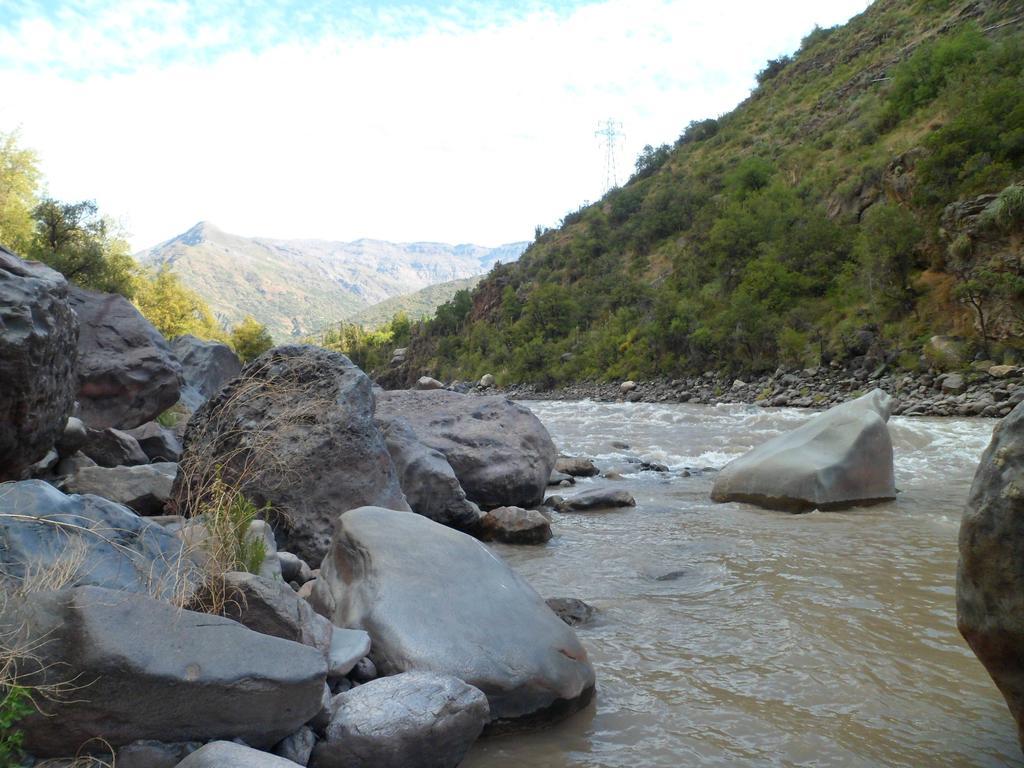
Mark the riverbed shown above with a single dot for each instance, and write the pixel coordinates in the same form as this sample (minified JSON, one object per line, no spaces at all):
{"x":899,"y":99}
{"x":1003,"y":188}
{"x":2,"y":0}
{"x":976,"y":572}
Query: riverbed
{"x":729,"y":635}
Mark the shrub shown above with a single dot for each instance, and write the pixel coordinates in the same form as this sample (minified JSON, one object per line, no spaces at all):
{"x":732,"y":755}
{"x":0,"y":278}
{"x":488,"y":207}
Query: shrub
{"x":250,"y":339}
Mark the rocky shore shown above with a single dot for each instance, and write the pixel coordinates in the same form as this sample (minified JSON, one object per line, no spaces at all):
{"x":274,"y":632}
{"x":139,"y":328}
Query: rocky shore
{"x":985,"y":390}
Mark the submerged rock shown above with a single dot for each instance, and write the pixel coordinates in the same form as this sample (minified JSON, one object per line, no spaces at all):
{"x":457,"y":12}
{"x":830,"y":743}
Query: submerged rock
{"x":990,"y":574}
{"x":571,"y":610}
{"x":127,"y":374}
{"x":38,"y":356}
{"x":576,"y":466}
{"x":839,"y":458}
{"x":295,"y":429}
{"x":396,"y":574}
{"x":597,"y":498}
{"x":501,"y":453}
{"x":410,"y":720}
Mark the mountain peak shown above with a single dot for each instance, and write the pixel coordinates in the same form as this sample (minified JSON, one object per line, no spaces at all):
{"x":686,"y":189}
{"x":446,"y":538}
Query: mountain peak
{"x":200,"y":232}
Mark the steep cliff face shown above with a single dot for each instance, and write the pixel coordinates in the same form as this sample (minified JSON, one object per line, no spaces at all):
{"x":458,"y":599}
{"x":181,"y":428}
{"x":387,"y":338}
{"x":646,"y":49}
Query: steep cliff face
{"x":792,"y":228}
{"x":296,"y":287}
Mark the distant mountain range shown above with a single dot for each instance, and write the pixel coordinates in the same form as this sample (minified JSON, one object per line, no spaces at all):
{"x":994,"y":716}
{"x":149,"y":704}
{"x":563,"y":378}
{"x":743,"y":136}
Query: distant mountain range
{"x":297,"y":287}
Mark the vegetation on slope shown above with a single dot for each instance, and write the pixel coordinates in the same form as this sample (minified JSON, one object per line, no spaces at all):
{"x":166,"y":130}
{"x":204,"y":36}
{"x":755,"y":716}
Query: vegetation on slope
{"x":846,"y":211}
{"x":418,"y":305}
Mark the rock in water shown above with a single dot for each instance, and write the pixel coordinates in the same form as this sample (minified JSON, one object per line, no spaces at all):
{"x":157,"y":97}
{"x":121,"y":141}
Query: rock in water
{"x":295,"y":429}
{"x":501,"y":453}
{"x":515,"y":525}
{"x":206,"y":365}
{"x":990,"y":575}
{"x":435,"y":599}
{"x":839,"y":458}
{"x":127,"y":374}
{"x":87,"y":540}
{"x":427,"y":479}
{"x":145,"y":669}
{"x":38,"y":354}
{"x":412,"y":720}
{"x":596,"y":498}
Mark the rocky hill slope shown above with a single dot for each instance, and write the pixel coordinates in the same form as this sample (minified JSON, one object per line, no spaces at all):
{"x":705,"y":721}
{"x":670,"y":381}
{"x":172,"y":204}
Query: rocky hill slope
{"x":296,"y":287}
{"x":866,"y":197}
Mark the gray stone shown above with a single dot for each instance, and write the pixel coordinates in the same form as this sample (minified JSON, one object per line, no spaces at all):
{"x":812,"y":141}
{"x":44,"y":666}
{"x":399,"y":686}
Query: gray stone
{"x":411,"y":720}
{"x":515,"y":525}
{"x":145,"y":669}
{"x":46,"y":465}
{"x":501,"y":453}
{"x":73,"y":437}
{"x":144,"y":488}
{"x":227,"y":754}
{"x":837,"y":459}
{"x":294,"y":568}
{"x":577,"y":466}
{"x":426,"y":382}
{"x":953,"y":384}
{"x":38,"y":352}
{"x":272,"y":608}
{"x":71,"y":464}
{"x":348,"y":648}
{"x":127,"y":374}
{"x":486,"y":381}
{"x":295,"y":429}
{"x":597,"y":498}
{"x":558,"y":478}
{"x":154,"y":754}
{"x":95,"y":540}
{"x":206,"y":366}
{"x":393,"y":574}
{"x":627,"y":386}
{"x":364,"y":671}
{"x":1002,"y":371}
{"x":113,"y":448}
{"x":427,"y":479}
{"x":157,"y":442}
{"x":571,"y":610}
{"x":298,"y":747}
{"x":990,"y":574}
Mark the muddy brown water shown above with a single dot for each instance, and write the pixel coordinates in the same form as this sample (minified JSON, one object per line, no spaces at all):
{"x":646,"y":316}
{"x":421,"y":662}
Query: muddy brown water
{"x":729,"y":635}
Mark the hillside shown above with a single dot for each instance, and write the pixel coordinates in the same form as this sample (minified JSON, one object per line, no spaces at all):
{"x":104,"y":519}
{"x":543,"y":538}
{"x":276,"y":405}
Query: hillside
{"x":296,"y":287}
{"x":863,"y":199}
{"x":417,"y":305}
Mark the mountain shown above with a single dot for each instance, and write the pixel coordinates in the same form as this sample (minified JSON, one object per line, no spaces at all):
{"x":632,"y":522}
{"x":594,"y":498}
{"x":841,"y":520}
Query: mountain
{"x":296,"y":287}
{"x":418,"y":305}
{"x":867,"y":196}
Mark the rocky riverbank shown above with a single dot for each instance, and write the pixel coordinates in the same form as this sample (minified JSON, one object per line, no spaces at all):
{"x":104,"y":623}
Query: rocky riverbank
{"x":990,"y":391}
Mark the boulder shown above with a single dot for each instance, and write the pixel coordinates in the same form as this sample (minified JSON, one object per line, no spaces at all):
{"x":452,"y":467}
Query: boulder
{"x":515,"y":525}
{"x":1002,"y":371}
{"x":294,"y":430}
{"x":127,"y":374}
{"x":147,"y":753}
{"x":427,"y":479}
{"x":411,"y":720}
{"x":577,"y":466}
{"x":73,"y":437}
{"x":501,"y":453}
{"x":435,"y":599}
{"x":71,"y":464}
{"x":953,"y":384}
{"x":837,"y":459}
{"x":557,"y":478}
{"x":298,"y":747}
{"x":158,"y":442}
{"x":990,"y":574}
{"x":206,"y":367}
{"x":626,"y":387}
{"x":426,"y":382}
{"x":87,"y":540}
{"x":348,"y":648}
{"x":228,"y":754}
{"x":597,"y":498}
{"x":487,"y":380}
{"x":144,"y":488}
{"x":113,"y":448}
{"x":38,"y":355}
{"x":945,"y":352}
{"x":145,"y":669}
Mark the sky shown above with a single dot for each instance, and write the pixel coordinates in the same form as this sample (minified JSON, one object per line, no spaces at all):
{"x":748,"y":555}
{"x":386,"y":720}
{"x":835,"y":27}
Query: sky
{"x":405,"y":121}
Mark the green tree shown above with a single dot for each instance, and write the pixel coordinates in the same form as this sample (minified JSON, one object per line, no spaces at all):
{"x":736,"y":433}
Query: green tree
{"x":250,"y":339}
{"x":173,"y":309}
{"x":886,"y":248}
{"x":82,"y":245}
{"x":19,"y":179}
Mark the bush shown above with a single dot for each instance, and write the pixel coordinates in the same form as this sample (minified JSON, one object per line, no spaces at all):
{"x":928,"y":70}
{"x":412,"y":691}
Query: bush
{"x":173,"y":309}
{"x":15,"y":704}
{"x":250,"y":339}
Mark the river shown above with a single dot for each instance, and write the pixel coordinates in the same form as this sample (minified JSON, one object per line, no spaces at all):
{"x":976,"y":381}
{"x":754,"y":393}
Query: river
{"x":729,"y":635}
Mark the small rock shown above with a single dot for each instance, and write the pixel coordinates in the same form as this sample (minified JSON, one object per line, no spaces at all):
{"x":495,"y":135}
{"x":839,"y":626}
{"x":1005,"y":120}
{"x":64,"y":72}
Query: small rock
{"x":953,"y":384}
{"x":144,"y":488}
{"x":1001,"y":371}
{"x":228,"y":754}
{"x":364,"y":671}
{"x":426,"y":382}
{"x":297,"y":747}
{"x":599,"y":498}
{"x":577,"y":466}
{"x":557,"y":478}
{"x":627,"y":386}
{"x":73,"y":437}
{"x":154,"y":754}
{"x":571,"y":610}
{"x":348,"y":648}
{"x":487,"y":380}
{"x":113,"y":448}
{"x":515,"y":525}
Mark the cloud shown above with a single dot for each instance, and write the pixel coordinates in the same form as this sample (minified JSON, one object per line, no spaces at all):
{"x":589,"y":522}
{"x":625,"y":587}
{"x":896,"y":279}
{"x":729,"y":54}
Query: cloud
{"x":457,"y":123}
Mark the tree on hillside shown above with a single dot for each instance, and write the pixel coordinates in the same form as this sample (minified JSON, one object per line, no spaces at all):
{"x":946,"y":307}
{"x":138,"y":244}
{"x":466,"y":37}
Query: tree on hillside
{"x":250,"y":339}
{"x":19,"y":178}
{"x":80,"y":244}
{"x":173,"y":309}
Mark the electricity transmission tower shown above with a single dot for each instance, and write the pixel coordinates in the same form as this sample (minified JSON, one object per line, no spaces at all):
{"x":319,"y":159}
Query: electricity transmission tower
{"x":610,"y":132}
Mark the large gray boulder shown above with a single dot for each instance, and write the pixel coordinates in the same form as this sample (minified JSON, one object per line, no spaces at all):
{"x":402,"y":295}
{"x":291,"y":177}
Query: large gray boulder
{"x":437,"y":600}
{"x":38,"y":355}
{"x":127,"y":374}
{"x":501,"y":453}
{"x":145,"y":669}
{"x":427,"y":479}
{"x":990,"y":574}
{"x":838,"y":459}
{"x":294,"y":430}
{"x":228,"y":754}
{"x":87,"y":540}
{"x":206,"y":365}
{"x":145,"y":488}
{"x":412,"y":720}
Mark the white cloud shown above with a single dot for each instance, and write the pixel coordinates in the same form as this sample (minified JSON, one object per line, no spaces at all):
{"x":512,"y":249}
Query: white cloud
{"x":457,"y":131}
